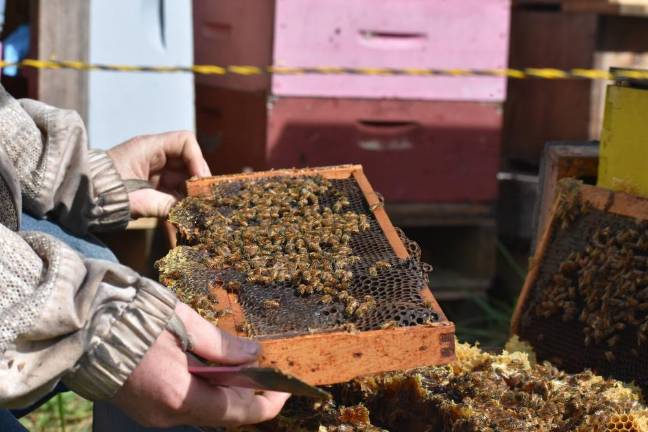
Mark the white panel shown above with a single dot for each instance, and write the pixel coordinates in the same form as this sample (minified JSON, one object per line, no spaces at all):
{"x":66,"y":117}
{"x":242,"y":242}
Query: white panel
{"x":142,"y":32}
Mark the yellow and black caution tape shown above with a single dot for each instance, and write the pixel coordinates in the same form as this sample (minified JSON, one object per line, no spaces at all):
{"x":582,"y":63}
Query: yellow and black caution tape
{"x":542,"y":73}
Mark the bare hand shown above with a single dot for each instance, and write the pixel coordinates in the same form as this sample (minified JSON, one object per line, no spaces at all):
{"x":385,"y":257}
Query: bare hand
{"x":162,"y":393}
{"x":165,"y":160}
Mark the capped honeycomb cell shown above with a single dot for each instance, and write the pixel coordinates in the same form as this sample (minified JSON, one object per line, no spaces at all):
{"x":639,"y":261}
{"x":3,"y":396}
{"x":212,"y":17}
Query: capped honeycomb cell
{"x":479,"y":392}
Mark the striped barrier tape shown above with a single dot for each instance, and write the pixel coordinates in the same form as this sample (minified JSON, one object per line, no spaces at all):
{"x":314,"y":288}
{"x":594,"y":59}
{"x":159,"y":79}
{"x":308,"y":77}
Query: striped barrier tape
{"x":538,"y":73}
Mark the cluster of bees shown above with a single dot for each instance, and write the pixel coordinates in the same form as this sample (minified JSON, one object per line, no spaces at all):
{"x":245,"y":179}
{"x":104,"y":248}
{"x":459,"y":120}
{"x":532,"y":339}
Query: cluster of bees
{"x":286,"y":231}
{"x":604,"y":286}
{"x":479,"y":392}
{"x":184,"y":271}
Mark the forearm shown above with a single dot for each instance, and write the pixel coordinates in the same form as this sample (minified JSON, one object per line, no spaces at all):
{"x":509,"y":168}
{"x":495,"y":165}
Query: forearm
{"x":60,"y":178}
{"x":45,"y":151}
{"x":86,"y":322}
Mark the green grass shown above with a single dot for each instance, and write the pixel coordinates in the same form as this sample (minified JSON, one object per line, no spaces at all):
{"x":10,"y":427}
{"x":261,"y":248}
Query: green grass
{"x":488,"y":323}
{"x":66,"y":412}
{"x":487,"y":319}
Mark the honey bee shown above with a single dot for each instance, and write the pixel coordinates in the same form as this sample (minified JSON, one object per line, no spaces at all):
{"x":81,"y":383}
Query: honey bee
{"x":343,"y":295}
{"x":304,"y":289}
{"x":364,"y":223}
{"x":233,"y":286}
{"x":339,"y":205}
{"x":326,"y":299}
{"x":351,"y":307}
{"x":349,"y":327}
{"x":275,"y":231}
{"x":225,"y":312}
{"x":381,"y":265}
{"x":244,"y":328}
{"x":271,"y":304}
{"x":366,"y":306}
{"x":373,"y":272}
{"x":388,"y":325}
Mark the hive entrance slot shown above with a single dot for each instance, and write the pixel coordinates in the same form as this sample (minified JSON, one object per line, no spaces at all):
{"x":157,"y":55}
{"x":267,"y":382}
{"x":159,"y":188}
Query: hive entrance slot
{"x":392,"y":39}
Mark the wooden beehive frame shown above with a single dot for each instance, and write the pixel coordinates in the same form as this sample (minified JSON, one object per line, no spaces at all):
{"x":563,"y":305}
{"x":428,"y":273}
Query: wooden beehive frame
{"x":618,"y":203}
{"x":338,"y":356}
{"x":561,"y":159}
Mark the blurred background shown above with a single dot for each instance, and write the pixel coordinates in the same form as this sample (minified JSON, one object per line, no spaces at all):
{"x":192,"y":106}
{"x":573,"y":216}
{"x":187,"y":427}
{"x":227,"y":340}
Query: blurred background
{"x":458,"y":159}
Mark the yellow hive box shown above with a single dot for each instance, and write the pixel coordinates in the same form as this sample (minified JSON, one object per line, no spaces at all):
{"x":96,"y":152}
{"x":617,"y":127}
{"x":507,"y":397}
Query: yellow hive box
{"x":623,"y":162}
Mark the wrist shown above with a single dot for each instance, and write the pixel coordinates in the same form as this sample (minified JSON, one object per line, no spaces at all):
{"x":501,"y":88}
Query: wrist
{"x":115,"y":350}
{"x":111,"y":209}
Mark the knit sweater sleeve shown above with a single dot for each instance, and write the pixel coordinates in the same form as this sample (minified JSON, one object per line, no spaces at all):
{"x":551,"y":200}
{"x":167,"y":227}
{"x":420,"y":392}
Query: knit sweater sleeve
{"x":64,"y":318}
{"x":60,"y":178}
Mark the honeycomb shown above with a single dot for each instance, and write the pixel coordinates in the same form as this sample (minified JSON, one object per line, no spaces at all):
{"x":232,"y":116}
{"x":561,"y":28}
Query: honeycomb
{"x":301,"y":253}
{"x":478,"y":392}
{"x":592,"y":291}
{"x":622,"y":422}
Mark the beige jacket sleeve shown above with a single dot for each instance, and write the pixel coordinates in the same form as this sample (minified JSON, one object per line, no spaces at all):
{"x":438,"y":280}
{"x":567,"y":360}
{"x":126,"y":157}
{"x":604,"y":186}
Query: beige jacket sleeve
{"x":62,"y":317}
{"x":59,"y":177}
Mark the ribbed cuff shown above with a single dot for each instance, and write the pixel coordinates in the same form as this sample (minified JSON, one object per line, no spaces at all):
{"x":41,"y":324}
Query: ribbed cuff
{"x":112,"y":210}
{"x":108,"y":364}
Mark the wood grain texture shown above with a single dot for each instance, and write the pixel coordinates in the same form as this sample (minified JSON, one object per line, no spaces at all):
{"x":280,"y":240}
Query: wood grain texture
{"x":338,"y":356}
{"x":532,"y":274}
{"x":377,"y":206}
{"x":610,"y":7}
{"x":61,"y":32}
{"x":537,"y":111}
{"x":561,"y":159}
{"x":331,"y":358}
{"x":601,"y":199}
{"x":227,"y":305}
{"x":202,"y":186}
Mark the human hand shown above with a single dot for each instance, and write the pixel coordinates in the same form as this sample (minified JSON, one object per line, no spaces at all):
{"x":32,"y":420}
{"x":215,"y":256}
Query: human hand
{"x":165,"y":160}
{"x":162,"y":393}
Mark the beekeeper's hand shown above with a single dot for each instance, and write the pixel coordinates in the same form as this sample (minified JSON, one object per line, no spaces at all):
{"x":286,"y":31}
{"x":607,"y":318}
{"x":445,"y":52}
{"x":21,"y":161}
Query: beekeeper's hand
{"x":164,"y":160}
{"x":162,"y":393}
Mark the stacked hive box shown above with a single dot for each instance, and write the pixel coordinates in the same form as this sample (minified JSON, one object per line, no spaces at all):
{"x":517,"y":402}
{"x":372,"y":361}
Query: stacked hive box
{"x":567,"y":34}
{"x":421,"y":139}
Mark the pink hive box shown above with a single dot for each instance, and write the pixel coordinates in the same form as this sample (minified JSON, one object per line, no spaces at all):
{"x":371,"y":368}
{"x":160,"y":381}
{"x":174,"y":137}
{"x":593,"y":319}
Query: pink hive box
{"x":392,"y":34}
{"x":234,"y":32}
{"x":413,"y":151}
{"x":358,"y":33}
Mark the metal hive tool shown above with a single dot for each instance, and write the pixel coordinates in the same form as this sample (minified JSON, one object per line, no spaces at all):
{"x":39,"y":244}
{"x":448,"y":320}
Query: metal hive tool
{"x":301,"y":334}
